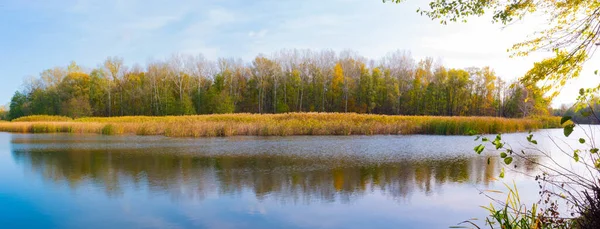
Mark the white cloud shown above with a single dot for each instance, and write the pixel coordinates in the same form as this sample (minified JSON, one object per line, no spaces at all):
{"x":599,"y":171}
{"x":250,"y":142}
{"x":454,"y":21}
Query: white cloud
{"x":150,"y":23}
{"x":260,"y":34}
{"x":220,"y":16}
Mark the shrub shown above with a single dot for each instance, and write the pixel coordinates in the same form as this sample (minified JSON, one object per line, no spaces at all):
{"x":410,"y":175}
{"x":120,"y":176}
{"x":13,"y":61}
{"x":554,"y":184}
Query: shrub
{"x":109,"y":129}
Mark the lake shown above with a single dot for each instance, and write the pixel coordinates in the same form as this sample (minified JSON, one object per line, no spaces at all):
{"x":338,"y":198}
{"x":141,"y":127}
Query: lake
{"x":94,"y":181}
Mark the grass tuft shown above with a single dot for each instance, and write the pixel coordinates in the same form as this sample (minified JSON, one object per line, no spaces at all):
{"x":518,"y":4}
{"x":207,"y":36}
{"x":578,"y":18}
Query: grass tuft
{"x":43,"y":118}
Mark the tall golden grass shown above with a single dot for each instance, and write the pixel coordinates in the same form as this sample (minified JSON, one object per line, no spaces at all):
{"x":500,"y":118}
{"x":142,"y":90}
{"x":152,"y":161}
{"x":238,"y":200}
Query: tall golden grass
{"x":278,"y":125}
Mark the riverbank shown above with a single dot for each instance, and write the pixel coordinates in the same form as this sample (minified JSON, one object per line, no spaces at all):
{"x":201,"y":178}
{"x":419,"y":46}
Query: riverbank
{"x":277,"y":125}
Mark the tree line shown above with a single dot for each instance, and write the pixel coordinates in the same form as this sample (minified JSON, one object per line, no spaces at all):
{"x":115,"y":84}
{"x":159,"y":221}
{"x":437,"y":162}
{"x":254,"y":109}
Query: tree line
{"x":286,"y":81}
{"x":582,"y":112}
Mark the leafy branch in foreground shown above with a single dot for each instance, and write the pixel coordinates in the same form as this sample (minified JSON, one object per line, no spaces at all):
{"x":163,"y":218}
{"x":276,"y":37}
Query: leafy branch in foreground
{"x":576,"y":184}
{"x":572,"y":32}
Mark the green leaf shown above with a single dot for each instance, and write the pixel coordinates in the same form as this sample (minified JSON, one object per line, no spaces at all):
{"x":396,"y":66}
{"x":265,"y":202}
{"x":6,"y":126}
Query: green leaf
{"x":594,"y":150}
{"x":477,"y":138}
{"x":488,"y":161}
{"x":581,"y":140}
{"x":585,"y":114}
{"x":530,"y":139}
{"x":581,"y":91}
{"x":503,"y":155}
{"x":502,"y":173}
{"x":565,"y":119}
{"x":568,"y":130}
{"x":484,"y":139}
{"x":508,"y":160}
{"x":596,"y":72}
{"x":576,"y":156}
{"x":478,"y":149}
{"x":499,"y":145}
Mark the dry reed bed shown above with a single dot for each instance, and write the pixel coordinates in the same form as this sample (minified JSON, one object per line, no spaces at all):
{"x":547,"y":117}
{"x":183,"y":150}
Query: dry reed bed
{"x":277,"y":125}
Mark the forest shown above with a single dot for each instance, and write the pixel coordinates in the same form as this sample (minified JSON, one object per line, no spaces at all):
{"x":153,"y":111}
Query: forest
{"x":289,"y":80}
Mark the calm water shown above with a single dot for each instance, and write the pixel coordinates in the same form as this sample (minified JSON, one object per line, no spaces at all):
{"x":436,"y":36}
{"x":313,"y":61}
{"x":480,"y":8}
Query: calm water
{"x":91,"y":181}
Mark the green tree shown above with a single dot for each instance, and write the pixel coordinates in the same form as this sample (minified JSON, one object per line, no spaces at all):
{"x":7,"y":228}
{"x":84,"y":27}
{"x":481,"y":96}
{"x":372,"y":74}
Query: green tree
{"x":97,"y":93}
{"x":18,"y":106}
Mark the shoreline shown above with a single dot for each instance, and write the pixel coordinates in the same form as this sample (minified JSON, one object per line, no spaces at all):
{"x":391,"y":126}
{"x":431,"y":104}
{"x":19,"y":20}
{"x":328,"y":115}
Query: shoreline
{"x":288,"y":124}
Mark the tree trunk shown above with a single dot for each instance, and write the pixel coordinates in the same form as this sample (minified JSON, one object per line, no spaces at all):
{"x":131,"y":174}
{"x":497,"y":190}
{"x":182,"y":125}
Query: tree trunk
{"x":323,"y":99}
{"x":109,"y":101}
{"x":121,"y":100}
{"x":301,"y":95}
{"x":345,"y":95}
{"x":275,"y":97}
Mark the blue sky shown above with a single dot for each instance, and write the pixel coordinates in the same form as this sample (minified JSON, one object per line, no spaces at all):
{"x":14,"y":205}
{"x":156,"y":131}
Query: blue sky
{"x":40,"y":34}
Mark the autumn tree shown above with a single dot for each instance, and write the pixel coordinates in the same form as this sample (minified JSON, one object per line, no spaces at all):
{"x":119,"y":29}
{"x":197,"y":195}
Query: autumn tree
{"x":114,"y":70}
{"x":289,"y":80}
{"x":3,"y":113}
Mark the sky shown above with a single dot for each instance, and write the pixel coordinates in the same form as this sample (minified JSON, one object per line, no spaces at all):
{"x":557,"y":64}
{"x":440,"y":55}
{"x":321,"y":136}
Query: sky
{"x":41,"y":34}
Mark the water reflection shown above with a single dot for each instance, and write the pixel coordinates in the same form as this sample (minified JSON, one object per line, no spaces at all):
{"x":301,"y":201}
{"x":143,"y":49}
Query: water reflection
{"x":189,"y":169}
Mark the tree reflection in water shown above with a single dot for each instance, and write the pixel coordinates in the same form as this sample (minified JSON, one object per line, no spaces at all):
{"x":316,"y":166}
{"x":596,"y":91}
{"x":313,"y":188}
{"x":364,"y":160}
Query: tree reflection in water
{"x":286,"y":176}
